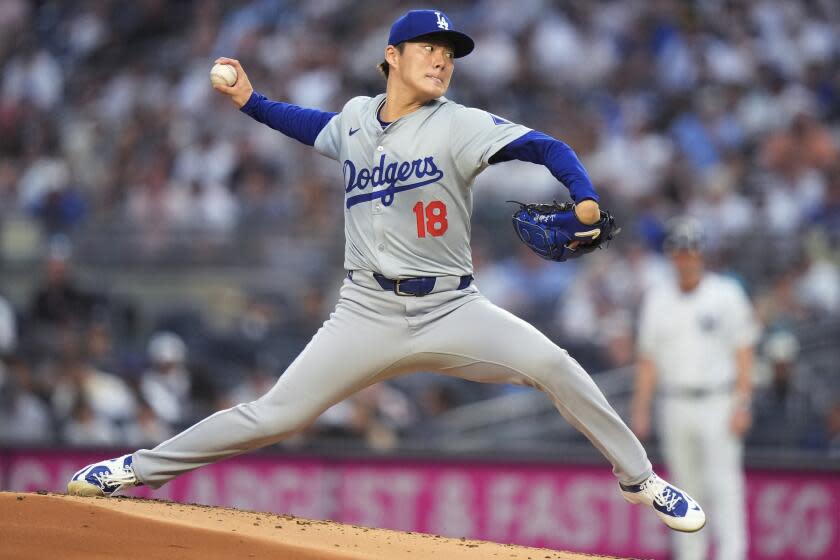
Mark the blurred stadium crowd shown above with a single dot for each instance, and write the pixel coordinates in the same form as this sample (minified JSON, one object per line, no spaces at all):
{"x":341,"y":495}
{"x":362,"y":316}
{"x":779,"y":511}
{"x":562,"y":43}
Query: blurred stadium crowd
{"x":123,"y":177}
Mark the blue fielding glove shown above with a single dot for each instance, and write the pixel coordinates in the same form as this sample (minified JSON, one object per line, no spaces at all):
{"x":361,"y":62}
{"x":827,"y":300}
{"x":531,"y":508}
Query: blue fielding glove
{"x":549,"y":229}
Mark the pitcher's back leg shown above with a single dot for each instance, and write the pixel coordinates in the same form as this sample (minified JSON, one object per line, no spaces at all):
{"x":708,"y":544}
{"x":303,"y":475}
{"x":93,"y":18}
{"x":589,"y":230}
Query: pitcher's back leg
{"x":482,"y":342}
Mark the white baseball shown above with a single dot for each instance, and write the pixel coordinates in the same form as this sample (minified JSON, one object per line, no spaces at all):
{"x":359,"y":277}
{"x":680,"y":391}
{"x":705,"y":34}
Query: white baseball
{"x":224,"y":74}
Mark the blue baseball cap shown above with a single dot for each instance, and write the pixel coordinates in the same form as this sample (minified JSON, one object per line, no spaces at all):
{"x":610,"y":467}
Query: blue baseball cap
{"x":418,"y":23}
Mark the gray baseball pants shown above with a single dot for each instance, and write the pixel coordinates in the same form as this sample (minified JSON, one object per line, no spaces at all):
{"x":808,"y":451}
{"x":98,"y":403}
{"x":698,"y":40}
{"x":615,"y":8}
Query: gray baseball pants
{"x":375,"y":335}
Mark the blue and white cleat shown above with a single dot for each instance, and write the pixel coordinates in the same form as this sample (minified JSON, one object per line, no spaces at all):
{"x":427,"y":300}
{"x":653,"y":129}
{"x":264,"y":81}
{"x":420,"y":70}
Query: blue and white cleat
{"x":674,"y":507}
{"x":103,"y":479}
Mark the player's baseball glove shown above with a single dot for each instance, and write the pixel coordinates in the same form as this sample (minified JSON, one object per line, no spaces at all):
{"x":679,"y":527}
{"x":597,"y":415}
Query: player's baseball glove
{"x":549,"y":229}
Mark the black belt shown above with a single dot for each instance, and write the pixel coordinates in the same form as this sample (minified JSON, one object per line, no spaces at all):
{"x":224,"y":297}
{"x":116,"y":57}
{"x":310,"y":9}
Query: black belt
{"x":697,"y":392}
{"x":417,"y":286}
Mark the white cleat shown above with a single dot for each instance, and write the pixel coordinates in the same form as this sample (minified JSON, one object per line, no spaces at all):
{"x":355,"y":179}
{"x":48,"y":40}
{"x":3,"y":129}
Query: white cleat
{"x":103,"y":479}
{"x":674,"y":507}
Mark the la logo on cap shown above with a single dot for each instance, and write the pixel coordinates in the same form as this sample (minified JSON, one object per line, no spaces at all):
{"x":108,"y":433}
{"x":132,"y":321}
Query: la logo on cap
{"x":441,"y":21}
{"x":417,"y":23}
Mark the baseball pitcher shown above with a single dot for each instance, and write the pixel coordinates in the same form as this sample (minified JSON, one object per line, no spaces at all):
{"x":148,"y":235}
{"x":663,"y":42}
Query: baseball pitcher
{"x":409,"y":158}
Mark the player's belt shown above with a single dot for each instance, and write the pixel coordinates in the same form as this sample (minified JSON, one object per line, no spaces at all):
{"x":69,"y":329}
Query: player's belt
{"x":416,"y":286}
{"x":697,"y":392}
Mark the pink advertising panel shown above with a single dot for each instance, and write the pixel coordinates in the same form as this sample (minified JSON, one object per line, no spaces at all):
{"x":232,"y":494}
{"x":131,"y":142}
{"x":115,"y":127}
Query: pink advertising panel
{"x":792,"y":514}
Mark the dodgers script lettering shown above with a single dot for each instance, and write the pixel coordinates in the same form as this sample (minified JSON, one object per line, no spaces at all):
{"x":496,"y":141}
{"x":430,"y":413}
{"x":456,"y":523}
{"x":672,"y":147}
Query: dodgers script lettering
{"x":419,"y":172}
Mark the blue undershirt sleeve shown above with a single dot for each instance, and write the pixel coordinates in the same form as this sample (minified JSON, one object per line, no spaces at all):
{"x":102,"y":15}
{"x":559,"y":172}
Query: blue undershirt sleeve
{"x":558,"y":157}
{"x":299,"y":123}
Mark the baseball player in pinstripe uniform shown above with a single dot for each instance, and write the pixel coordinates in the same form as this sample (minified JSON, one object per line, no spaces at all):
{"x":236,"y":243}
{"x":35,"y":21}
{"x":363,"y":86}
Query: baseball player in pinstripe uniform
{"x":697,"y":331}
{"x":409,"y":159}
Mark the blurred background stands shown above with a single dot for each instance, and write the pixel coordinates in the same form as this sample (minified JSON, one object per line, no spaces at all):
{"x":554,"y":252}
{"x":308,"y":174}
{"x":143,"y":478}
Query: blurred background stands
{"x":159,"y":248}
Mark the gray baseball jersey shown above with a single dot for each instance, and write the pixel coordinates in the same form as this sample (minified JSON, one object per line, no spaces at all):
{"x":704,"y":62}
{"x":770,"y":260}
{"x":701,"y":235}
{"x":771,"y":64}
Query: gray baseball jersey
{"x":408,"y":188}
{"x":408,"y":201}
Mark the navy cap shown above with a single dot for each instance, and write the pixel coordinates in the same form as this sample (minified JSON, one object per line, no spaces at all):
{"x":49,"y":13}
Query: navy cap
{"x":417,"y":23}
{"x":684,"y":233}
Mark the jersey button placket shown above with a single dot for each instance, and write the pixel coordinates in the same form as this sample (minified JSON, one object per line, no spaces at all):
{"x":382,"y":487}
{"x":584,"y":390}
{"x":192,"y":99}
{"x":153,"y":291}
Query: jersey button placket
{"x":377,"y":209}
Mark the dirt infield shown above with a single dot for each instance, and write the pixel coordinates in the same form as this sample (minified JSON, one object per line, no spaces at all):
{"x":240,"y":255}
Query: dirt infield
{"x":58,"y":526}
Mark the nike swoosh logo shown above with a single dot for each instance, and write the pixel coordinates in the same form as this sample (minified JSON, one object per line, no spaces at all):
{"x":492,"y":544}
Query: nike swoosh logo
{"x":352,"y":132}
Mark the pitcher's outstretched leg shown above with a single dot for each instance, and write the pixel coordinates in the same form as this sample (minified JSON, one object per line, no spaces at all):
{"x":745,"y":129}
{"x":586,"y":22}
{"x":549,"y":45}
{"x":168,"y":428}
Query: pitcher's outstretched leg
{"x":329,"y":369}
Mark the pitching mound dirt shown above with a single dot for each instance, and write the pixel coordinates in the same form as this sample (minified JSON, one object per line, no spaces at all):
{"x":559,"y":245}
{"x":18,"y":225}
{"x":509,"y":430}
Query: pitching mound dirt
{"x":68,"y":527}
